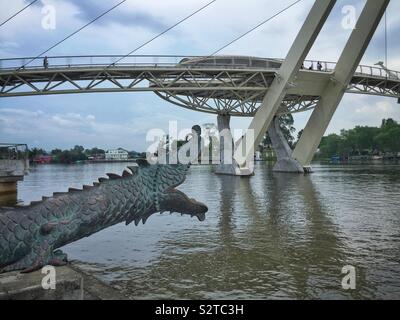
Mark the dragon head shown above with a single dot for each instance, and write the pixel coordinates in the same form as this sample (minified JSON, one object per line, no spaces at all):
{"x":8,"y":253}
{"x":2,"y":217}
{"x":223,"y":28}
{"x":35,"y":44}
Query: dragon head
{"x":163,"y":180}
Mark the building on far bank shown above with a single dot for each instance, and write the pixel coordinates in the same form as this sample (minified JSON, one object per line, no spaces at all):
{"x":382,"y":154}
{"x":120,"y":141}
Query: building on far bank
{"x":42,"y":159}
{"x":97,"y":157}
{"x":117,"y":154}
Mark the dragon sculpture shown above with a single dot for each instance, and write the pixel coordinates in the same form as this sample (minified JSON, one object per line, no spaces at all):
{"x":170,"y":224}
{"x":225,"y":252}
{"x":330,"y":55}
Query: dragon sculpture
{"x":30,"y":235}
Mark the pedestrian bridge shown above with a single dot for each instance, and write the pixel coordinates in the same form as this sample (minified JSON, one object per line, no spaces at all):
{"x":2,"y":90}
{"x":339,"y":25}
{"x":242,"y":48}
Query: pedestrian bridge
{"x":234,"y":85}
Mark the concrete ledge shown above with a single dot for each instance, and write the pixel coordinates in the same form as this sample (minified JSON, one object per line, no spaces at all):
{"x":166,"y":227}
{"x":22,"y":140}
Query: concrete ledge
{"x":18,"y":286}
{"x":71,"y":284}
{"x":95,"y":289}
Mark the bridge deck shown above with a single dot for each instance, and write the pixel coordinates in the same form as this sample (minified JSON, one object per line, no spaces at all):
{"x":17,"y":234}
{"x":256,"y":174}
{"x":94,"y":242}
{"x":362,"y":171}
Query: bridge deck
{"x":210,"y":84}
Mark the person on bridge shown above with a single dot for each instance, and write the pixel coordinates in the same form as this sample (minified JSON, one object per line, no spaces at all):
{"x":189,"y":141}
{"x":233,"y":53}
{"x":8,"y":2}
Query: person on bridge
{"x":45,"y":62}
{"x":319,"y":66}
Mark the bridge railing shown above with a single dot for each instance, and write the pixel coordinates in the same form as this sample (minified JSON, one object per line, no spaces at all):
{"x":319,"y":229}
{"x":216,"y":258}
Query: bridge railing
{"x":361,"y":69}
{"x":378,"y":72}
{"x":95,"y":61}
{"x":90,"y":61}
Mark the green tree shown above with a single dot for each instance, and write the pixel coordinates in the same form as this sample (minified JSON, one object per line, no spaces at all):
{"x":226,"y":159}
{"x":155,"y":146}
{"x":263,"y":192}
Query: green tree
{"x":55,"y":152}
{"x":94,"y":151}
{"x":388,"y":123}
{"x":363,"y":140}
{"x":36,"y":152}
{"x":388,"y":139}
{"x":330,"y":145}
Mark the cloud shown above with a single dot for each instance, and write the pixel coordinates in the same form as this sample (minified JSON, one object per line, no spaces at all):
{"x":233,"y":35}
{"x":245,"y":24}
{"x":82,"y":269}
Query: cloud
{"x":62,"y":130}
{"x":363,"y":110}
{"x":378,"y":110}
{"x":124,"y":15}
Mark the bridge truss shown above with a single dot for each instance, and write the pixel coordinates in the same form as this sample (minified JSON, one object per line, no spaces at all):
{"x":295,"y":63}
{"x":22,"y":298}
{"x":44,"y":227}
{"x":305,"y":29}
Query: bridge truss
{"x":214,"y":87}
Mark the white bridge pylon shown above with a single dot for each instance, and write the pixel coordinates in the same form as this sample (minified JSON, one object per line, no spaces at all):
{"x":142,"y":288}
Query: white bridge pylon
{"x":331,"y":94}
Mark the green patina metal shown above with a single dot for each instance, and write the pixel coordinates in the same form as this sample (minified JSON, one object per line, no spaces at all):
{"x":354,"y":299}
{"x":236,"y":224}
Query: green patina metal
{"x":30,"y":235}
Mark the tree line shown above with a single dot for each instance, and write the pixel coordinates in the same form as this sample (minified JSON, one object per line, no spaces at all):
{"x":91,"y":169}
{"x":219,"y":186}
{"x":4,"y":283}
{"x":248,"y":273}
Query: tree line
{"x":362,"y":140}
{"x":76,"y":154}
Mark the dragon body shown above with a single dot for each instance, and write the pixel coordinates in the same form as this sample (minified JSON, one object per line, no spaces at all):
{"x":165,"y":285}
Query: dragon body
{"x":30,"y":235}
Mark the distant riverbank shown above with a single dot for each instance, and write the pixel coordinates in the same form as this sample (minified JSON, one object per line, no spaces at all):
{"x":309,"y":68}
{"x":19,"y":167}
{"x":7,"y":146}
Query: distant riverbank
{"x":84,"y":162}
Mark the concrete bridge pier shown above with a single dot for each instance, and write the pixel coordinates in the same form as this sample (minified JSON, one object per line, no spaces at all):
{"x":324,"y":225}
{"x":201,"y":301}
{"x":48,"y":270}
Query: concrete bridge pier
{"x":289,"y":69}
{"x":8,"y":185}
{"x":8,"y":190}
{"x":285,"y":161}
{"x":228,"y":165}
{"x":11,"y":171}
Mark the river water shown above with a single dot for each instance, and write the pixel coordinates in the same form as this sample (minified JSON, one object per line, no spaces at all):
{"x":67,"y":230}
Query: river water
{"x":276,"y":236}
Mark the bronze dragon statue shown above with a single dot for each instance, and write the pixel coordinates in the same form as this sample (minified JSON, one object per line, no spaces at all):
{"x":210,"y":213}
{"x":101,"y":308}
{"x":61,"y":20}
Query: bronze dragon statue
{"x":30,"y":235}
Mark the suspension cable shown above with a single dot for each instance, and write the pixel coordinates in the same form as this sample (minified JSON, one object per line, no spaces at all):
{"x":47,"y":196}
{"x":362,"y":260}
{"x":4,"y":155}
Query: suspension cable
{"x":256,"y":27}
{"x":17,"y":13}
{"x":74,"y":33}
{"x":162,"y":33}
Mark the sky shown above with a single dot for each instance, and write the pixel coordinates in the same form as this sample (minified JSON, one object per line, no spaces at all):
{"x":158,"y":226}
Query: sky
{"x":110,"y":120}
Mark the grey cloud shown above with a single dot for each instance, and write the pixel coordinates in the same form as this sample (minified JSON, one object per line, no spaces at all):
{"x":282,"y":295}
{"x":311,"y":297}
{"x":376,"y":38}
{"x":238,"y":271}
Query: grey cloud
{"x":91,"y":9}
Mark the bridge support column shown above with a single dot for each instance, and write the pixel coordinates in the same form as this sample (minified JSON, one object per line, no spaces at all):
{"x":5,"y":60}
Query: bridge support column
{"x":11,"y":171}
{"x":8,"y":190}
{"x":334,"y":91}
{"x":228,"y":165}
{"x":8,"y":185}
{"x":289,"y":69}
{"x":285,"y":162}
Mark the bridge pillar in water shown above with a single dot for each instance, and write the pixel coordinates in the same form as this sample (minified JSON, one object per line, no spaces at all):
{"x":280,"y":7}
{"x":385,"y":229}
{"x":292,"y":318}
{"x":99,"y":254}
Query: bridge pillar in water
{"x":285,"y":162}
{"x":227,"y":165}
{"x":287,"y":73}
{"x":344,"y":71}
{"x":11,"y":171}
{"x":8,"y":192}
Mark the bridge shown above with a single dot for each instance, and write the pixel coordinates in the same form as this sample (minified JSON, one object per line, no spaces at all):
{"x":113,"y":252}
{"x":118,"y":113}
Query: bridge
{"x":234,"y":85}
{"x":261,"y":88}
